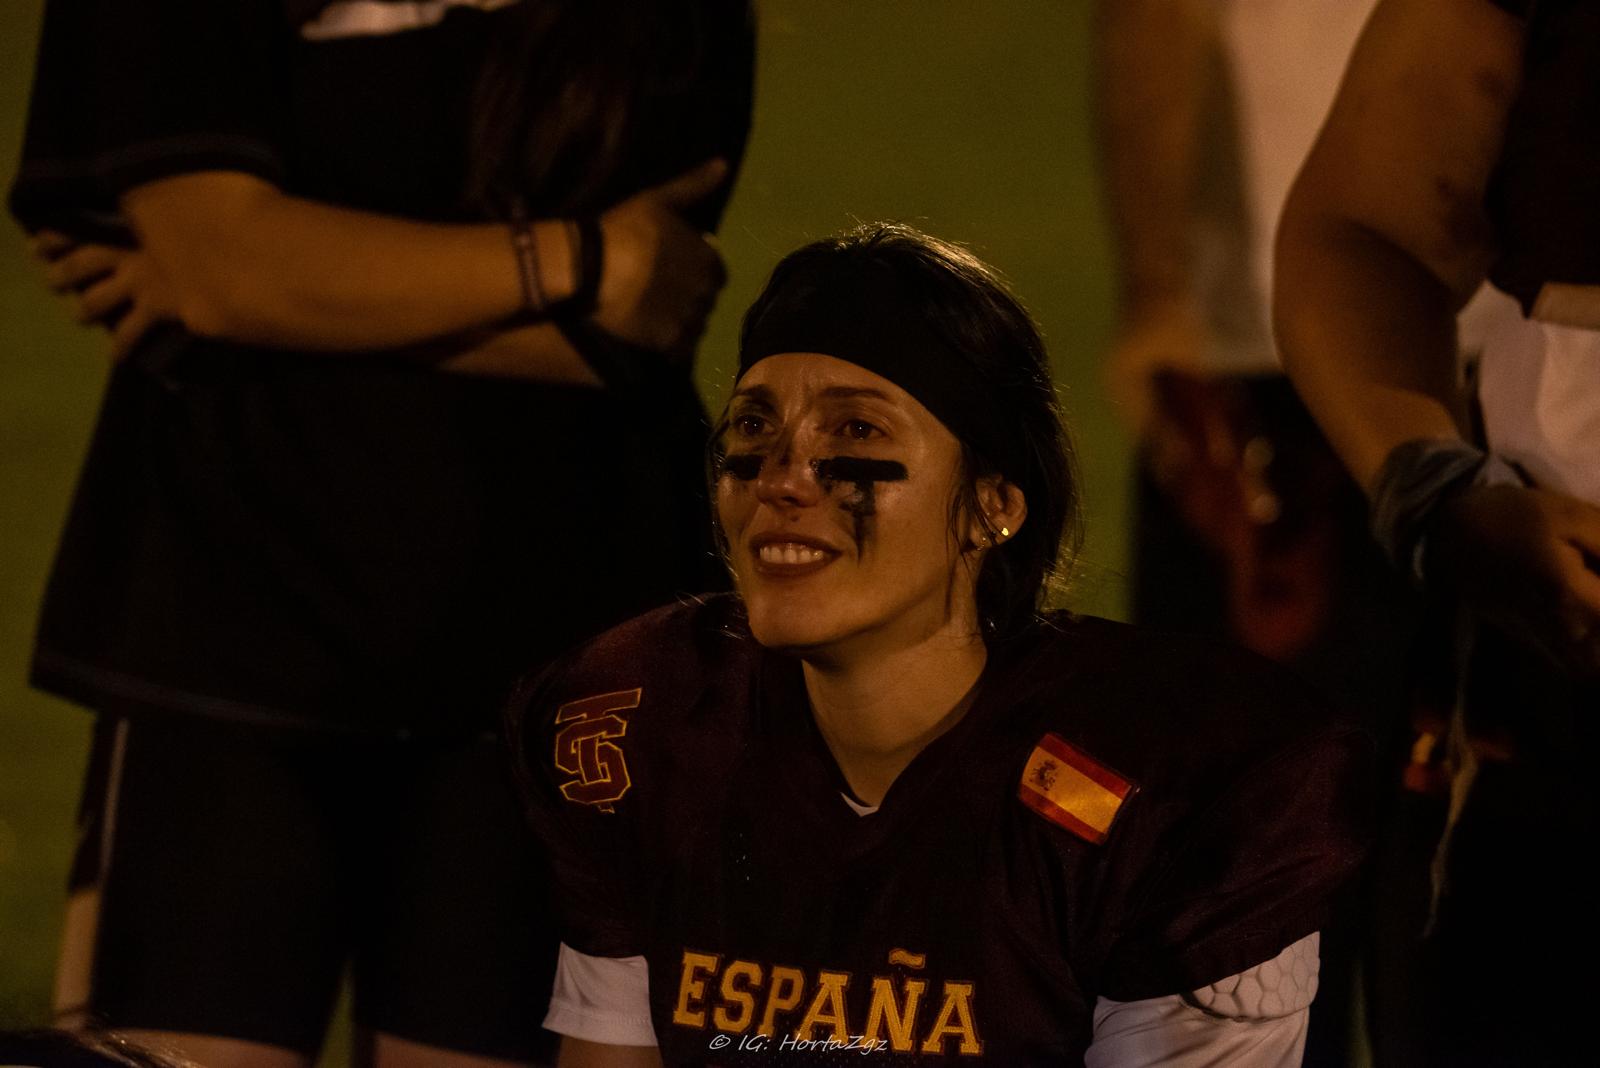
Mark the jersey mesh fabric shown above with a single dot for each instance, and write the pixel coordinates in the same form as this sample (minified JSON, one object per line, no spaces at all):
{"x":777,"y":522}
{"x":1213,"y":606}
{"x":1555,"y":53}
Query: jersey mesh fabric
{"x":729,"y":853}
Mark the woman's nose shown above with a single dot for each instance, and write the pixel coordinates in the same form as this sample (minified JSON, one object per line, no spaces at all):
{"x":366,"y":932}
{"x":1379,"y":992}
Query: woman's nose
{"x":787,"y":478}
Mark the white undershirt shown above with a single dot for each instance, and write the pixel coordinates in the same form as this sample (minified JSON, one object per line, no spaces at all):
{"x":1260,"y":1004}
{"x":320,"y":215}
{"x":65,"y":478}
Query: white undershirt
{"x":1256,"y":1019}
{"x":1539,"y":387}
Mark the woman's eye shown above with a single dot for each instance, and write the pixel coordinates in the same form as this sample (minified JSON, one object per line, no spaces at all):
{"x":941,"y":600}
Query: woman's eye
{"x":860,"y":430}
{"x":748,"y":426}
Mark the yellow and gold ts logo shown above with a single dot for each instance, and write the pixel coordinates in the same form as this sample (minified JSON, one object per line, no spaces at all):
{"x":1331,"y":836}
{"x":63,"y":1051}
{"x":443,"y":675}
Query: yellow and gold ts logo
{"x":584,"y":747}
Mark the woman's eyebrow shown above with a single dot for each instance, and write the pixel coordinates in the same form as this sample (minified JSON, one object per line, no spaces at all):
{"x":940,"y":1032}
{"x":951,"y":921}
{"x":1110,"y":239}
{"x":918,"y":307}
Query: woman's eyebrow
{"x":754,"y":395}
{"x":848,"y":392}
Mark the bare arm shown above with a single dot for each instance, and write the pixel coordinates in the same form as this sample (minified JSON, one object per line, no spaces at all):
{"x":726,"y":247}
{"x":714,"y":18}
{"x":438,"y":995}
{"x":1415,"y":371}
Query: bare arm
{"x":1154,"y":69}
{"x":1157,"y":59}
{"x":535,"y":351}
{"x":231,"y":256}
{"x":1384,"y":235}
{"x":1384,"y":238}
{"x":250,"y":263}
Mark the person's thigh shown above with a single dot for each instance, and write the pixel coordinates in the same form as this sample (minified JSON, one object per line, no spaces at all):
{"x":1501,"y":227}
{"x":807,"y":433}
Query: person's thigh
{"x":206,"y":885}
{"x":458,"y":946}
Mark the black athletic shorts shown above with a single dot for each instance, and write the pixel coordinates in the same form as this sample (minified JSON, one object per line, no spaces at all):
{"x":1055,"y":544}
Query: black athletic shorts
{"x":242,"y":869}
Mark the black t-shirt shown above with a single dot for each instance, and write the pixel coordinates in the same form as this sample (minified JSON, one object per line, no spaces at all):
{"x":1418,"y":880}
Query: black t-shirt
{"x":346,"y":540}
{"x":1202,"y":815}
{"x":1542,"y":195}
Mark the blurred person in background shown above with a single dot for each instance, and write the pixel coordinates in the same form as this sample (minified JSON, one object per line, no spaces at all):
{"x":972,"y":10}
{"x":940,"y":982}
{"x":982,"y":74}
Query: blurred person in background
{"x":1462,"y":146}
{"x":370,"y":270}
{"x":1246,"y":525}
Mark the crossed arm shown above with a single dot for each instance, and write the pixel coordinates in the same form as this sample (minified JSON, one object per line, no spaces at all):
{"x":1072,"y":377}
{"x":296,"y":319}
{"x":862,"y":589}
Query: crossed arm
{"x":230,"y":256}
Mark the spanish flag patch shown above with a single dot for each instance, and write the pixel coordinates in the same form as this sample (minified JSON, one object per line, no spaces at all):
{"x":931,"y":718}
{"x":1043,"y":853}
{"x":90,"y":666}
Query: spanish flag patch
{"x":1067,"y":788}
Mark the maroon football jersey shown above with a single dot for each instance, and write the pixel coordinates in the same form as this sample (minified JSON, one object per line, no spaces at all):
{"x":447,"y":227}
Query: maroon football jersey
{"x":1118,"y":815}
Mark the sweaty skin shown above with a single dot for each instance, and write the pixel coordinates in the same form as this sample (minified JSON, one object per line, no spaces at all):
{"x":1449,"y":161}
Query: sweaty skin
{"x":862,"y":473}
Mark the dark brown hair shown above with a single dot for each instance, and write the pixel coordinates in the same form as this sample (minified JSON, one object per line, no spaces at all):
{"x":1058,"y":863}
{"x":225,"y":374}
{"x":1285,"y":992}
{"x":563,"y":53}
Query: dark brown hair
{"x":560,"y":101}
{"x":967,"y":303}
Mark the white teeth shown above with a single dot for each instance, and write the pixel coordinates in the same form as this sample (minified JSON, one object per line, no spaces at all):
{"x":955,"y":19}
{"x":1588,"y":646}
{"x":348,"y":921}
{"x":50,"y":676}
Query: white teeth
{"x":790,"y":553}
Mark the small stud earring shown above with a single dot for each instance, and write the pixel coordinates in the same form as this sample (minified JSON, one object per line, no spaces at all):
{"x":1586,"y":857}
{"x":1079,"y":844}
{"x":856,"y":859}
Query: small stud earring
{"x":1005,"y":532}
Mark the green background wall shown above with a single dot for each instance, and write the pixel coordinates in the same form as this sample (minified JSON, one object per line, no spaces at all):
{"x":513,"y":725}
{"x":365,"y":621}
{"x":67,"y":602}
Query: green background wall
{"x":967,"y":118}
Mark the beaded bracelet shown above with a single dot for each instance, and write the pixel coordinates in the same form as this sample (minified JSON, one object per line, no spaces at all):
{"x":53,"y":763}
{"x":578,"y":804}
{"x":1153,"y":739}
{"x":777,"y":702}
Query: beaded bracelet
{"x":526,"y":250}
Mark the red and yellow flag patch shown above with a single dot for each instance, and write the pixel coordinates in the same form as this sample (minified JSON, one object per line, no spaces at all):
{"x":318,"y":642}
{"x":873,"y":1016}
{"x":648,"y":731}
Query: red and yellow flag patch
{"x":1069,"y":789}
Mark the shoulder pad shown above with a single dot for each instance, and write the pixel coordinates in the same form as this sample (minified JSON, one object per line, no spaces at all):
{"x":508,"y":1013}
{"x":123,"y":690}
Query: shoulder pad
{"x":673,"y":650}
{"x":637,"y":680}
{"x":1173,"y":713}
{"x":1278,"y":987}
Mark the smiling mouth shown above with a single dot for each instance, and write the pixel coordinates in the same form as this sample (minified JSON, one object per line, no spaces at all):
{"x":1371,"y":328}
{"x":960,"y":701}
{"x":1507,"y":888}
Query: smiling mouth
{"x":788,"y":552}
{"x":791,"y":558}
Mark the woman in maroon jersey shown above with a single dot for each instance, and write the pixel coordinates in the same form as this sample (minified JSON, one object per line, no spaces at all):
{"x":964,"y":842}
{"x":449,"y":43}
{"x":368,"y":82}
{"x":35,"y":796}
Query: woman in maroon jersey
{"x":882,"y":799}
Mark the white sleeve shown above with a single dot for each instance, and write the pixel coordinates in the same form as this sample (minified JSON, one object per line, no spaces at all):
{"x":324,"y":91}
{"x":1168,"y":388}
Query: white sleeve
{"x":601,"y":999}
{"x":1256,"y":1019}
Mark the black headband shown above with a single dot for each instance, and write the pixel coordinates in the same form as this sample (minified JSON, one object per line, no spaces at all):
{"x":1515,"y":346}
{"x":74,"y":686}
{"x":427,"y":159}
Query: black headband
{"x":864,"y":312}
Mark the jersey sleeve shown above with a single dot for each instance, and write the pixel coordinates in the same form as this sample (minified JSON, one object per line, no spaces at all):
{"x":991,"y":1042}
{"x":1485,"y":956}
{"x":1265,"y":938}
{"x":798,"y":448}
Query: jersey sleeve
{"x":591,"y":840}
{"x":601,"y":999}
{"x":1170,"y":1033}
{"x":608,"y":747}
{"x":130,"y":91}
{"x":1254,"y":872}
{"x":1258,"y":1017}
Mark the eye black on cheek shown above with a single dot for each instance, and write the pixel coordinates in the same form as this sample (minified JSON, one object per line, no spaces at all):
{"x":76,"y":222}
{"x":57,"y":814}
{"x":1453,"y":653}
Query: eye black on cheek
{"x":744,"y":466}
{"x":858,"y":470}
{"x":864,"y":474}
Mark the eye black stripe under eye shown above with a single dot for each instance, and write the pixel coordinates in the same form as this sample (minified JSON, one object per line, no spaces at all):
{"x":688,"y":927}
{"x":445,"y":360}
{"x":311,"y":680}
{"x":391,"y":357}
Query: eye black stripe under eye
{"x":858,"y":469}
{"x":744,"y":466}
